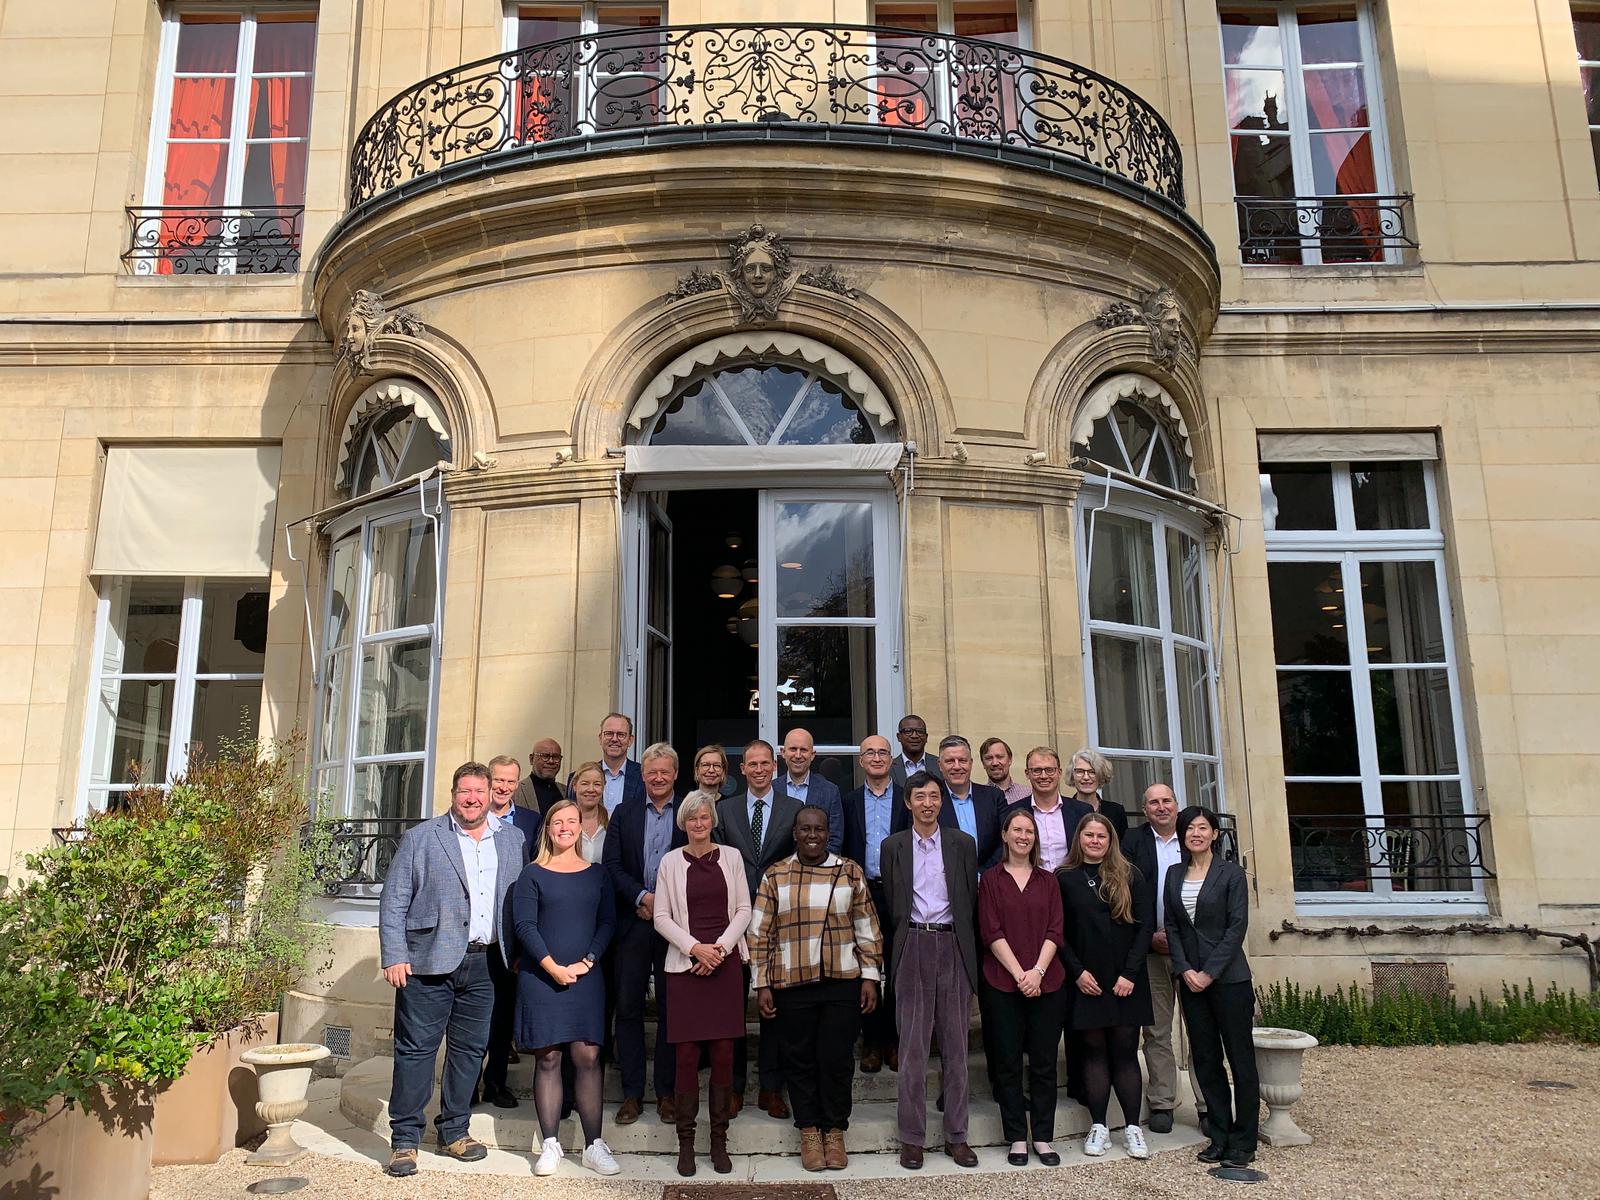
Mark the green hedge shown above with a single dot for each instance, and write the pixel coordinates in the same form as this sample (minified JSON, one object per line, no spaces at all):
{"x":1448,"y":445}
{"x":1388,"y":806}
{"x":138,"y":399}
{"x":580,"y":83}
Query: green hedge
{"x":1348,"y":1017}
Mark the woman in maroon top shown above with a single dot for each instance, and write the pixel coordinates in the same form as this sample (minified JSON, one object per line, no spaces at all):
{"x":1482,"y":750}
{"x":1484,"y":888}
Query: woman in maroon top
{"x":1023,"y":999}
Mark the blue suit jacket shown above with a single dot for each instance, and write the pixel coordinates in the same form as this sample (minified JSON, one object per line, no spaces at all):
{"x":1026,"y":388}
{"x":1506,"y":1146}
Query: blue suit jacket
{"x":529,"y":821}
{"x":623,"y":856}
{"x":824,"y":793}
{"x":855,"y":821}
{"x":989,"y":806}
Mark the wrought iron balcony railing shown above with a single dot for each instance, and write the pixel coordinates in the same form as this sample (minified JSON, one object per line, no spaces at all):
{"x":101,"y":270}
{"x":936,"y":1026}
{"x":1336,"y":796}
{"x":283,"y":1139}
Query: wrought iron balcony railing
{"x":214,"y":241}
{"x":1324,"y":230}
{"x":846,"y":84}
{"x":1401,"y":853}
{"x":357,"y":853}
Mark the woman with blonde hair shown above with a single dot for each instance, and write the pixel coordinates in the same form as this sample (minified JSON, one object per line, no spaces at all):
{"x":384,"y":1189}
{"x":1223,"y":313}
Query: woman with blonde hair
{"x":588,"y":786}
{"x":1090,"y":774}
{"x":1108,"y":911}
{"x":562,"y":909}
{"x":702,"y":910}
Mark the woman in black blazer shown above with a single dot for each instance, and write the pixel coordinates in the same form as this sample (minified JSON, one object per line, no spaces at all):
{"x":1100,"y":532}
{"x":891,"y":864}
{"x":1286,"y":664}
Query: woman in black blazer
{"x":1207,"y":911}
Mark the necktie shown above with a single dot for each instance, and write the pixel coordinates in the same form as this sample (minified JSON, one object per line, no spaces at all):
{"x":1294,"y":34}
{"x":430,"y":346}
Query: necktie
{"x":755,"y":824}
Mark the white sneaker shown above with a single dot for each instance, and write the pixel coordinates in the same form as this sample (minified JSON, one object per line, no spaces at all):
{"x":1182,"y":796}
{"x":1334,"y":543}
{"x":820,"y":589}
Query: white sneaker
{"x":597,"y":1157}
{"x":1133,"y":1139}
{"x":549,"y":1158}
{"x":1095,"y":1144}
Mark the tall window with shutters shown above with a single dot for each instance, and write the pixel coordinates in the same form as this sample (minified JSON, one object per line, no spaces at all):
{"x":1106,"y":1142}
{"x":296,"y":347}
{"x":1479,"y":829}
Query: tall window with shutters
{"x":226,"y":186}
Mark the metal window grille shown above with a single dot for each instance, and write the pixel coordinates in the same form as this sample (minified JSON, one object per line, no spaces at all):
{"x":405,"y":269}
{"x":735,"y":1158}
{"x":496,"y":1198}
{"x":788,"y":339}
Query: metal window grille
{"x":337,"y":1039}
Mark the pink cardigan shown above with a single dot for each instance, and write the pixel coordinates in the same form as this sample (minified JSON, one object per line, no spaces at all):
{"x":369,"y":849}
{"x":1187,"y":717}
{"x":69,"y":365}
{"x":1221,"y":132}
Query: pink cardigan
{"x":672,"y":907}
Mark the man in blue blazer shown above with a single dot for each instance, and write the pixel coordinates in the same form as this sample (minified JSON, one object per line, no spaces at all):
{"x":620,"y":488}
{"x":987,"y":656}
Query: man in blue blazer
{"x":440,"y":921}
{"x":798,"y":783}
{"x":640,"y":835}
{"x":504,"y":771}
{"x":974,"y":808}
{"x":871,"y":813}
{"x":624,"y":778}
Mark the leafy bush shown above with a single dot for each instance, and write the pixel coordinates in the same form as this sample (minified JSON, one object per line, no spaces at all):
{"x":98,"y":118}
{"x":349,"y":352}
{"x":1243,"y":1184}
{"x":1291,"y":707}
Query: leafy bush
{"x":1350,"y":1018}
{"x":166,"y":923}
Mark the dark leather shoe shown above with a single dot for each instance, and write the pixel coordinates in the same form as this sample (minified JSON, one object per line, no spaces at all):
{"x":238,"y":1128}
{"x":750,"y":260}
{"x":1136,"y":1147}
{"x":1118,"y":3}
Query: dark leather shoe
{"x":910,"y":1156}
{"x":1160,"y":1120}
{"x":735,"y":1104}
{"x":1050,"y":1159}
{"x":871,"y":1062}
{"x":629,"y":1111}
{"x":1238,"y":1158}
{"x":666,"y":1110}
{"x":773,"y":1103}
{"x":1214,"y":1153}
{"x":465,"y":1149}
{"x":891,"y":1059}
{"x":502,"y":1098}
{"x":1017,"y":1160}
{"x":961,"y":1153}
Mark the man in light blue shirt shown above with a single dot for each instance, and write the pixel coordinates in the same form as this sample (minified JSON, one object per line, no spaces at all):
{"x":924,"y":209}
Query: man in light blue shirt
{"x":798,"y":782}
{"x":871,"y":813}
{"x":975,"y":808}
{"x":624,"y":781}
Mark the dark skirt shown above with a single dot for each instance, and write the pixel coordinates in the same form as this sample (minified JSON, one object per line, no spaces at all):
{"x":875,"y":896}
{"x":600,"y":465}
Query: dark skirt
{"x":705,"y":1008}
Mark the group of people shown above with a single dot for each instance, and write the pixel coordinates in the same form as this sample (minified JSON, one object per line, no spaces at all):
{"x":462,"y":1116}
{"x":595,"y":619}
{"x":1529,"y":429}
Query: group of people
{"x":537,"y":914}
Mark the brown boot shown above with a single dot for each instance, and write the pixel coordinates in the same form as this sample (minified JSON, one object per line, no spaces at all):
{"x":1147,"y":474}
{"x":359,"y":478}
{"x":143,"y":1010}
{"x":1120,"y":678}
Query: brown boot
{"x":722,"y":1111}
{"x":812,"y":1157}
{"x":685,"y":1108}
{"x":833,"y":1155}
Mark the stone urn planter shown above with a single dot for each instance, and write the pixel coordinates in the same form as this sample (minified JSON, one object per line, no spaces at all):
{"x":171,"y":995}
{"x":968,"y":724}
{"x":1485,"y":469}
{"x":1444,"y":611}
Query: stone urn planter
{"x":1278,"y":1055}
{"x":283,"y":1076}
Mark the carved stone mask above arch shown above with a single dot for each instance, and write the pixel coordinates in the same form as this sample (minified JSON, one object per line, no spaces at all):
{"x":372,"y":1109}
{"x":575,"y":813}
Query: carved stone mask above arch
{"x":760,"y":275}
{"x":368,"y":319}
{"x":1160,"y":313}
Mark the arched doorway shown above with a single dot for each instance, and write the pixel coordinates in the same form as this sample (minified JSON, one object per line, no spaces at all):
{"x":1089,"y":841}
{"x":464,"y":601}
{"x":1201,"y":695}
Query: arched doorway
{"x":761,"y":554}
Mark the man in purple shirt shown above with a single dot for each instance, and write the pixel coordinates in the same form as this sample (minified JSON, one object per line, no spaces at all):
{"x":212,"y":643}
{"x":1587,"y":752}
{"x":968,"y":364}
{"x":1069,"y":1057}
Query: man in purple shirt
{"x":930,"y":878}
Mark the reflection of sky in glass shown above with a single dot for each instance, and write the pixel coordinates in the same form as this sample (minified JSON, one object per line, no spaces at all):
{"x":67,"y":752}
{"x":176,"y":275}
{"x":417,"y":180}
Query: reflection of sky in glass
{"x":832,"y":542}
{"x":824,"y":417}
{"x":808,"y":410}
{"x":697,"y":418}
{"x":761,"y":396}
{"x":1329,"y":38}
{"x":1250,"y":96}
{"x":1251,"y":40}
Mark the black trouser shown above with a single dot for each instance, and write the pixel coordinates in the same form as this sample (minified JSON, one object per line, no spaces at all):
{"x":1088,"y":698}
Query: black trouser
{"x":641,"y":953}
{"x":878,"y":1027}
{"x":1017,"y":1026}
{"x":769,"y":1057}
{"x":1219,"y":1021}
{"x":501,"y":1020}
{"x":817,"y":1024}
{"x":1076,"y":1053}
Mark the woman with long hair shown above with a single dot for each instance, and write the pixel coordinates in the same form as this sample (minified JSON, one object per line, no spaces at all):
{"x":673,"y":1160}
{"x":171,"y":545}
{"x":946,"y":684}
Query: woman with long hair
{"x":1207,"y":909}
{"x":589,"y":793}
{"x":1022,"y":998}
{"x":702,"y":910}
{"x":1108,"y":909}
{"x":562,"y":909}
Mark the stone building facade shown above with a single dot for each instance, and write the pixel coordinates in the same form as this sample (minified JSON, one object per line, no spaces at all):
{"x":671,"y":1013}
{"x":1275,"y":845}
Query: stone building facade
{"x":1214,"y":383}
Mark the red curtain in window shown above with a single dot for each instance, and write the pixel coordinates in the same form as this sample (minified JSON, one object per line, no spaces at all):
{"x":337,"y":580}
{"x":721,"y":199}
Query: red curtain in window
{"x":196,"y":171}
{"x":1356,"y":174}
{"x":286,"y":109}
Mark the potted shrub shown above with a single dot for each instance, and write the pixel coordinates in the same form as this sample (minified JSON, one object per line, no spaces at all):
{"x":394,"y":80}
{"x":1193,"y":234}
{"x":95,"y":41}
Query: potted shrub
{"x":164,"y":927}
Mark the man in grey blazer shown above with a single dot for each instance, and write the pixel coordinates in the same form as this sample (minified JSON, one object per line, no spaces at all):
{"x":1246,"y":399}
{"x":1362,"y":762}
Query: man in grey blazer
{"x":760,"y":825}
{"x":930,"y":888}
{"x":440,"y":918}
{"x":912,"y":734}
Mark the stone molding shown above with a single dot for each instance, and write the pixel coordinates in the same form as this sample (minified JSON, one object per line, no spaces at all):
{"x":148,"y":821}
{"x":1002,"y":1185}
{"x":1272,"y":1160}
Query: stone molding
{"x":1127,"y":386}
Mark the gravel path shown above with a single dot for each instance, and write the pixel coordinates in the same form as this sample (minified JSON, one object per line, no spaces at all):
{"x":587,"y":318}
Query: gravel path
{"x":1448,"y":1122}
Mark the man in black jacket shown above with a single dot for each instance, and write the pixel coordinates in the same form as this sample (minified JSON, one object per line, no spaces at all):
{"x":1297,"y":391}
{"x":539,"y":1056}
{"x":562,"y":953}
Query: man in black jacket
{"x":871,"y":813}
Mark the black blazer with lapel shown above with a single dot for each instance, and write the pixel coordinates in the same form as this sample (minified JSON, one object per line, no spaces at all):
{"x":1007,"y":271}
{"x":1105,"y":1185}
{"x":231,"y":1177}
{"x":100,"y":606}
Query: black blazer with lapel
{"x":855,"y":821}
{"x":623,"y":856}
{"x":960,"y":881}
{"x":1139,"y":848}
{"x":989,"y":806}
{"x":528,"y":820}
{"x":777,"y":832}
{"x":930,"y":764}
{"x":1214,"y":941}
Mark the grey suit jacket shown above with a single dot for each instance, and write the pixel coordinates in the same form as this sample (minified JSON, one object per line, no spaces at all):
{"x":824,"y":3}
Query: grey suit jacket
{"x":960,"y":881}
{"x":1214,"y":941}
{"x":424,"y":911}
{"x":777,"y":833}
{"x":930,"y":764}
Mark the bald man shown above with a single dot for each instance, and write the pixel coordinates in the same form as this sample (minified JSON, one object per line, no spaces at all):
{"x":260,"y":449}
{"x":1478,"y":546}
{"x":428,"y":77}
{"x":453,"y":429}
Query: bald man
{"x":540,"y":789}
{"x":799,"y":750}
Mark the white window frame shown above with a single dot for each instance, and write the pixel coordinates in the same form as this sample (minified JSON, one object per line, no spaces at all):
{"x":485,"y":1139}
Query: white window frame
{"x":1587,"y":64}
{"x":184,"y":680}
{"x":1350,"y":547}
{"x":1299,"y":131}
{"x":1112,"y":496}
{"x":588,"y":25}
{"x":362,"y":524}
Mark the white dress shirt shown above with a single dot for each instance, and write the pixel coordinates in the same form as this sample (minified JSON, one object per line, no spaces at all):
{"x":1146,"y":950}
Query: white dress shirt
{"x":482,"y":863}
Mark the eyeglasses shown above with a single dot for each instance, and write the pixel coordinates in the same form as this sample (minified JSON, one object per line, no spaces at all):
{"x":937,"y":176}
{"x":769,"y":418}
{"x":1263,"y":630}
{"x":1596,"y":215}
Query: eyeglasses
{"x":614,"y":736}
{"x":874,"y":754}
{"x":1044,"y":771}
{"x":908,"y":732}
{"x":549,"y":757}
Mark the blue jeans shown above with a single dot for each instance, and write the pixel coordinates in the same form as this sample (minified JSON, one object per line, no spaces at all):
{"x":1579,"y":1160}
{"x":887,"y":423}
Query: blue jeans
{"x":451,"y":1008}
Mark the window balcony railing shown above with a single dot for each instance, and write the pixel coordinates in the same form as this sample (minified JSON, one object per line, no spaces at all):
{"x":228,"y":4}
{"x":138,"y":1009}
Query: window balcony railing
{"x":214,"y":240}
{"x":357,"y":853}
{"x":1324,"y":230}
{"x":1402,"y":853}
{"x":851,"y":85}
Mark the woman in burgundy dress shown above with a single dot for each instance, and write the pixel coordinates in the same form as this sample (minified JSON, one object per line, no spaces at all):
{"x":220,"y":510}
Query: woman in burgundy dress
{"x":702,"y":909}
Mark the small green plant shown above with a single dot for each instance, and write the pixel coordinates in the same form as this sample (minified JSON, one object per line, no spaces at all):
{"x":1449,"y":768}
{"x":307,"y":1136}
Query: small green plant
{"x":1348,"y":1017}
{"x":165,"y":924}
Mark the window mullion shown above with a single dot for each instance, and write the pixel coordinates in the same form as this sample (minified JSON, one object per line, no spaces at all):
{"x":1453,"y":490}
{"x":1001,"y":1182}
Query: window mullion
{"x":357,"y":634}
{"x":161,"y":116}
{"x":1366,"y":729}
{"x":1169,"y":660}
{"x":1299,"y":124}
{"x":184,"y":679}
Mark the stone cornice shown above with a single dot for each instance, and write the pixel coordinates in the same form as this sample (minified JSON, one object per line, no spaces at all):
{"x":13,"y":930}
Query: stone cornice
{"x":216,"y":341}
{"x":522,"y":487}
{"x":1441,"y":330}
{"x":996,"y":484}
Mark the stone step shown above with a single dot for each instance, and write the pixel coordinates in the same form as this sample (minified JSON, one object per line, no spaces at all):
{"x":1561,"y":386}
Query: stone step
{"x":364,"y":1100}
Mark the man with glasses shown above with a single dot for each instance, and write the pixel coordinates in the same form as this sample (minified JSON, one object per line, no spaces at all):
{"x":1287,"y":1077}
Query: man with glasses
{"x":540,"y":789}
{"x":1055,"y":815}
{"x":624,"y":780}
{"x":871,"y":813}
{"x":798,"y":781}
{"x":912,"y":734}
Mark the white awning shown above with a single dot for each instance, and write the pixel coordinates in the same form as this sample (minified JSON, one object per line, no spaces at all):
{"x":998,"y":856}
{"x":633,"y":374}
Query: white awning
{"x":1344,"y":446}
{"x":378,"y":398}
{"x":664,"y":463}
{"x":188,"y":510}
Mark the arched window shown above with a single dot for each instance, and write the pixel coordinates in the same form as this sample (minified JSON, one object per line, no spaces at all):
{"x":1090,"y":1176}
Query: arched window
{"x":761,"y":403}
{"x":1146,"y":604}
{"x":377,"y":666}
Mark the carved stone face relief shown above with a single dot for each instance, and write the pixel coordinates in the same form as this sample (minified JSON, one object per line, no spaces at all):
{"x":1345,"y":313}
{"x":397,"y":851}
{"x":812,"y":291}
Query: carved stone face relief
{"x":368,"y":319}
{"x":760,"y":277}
{"x":1161,"y":314}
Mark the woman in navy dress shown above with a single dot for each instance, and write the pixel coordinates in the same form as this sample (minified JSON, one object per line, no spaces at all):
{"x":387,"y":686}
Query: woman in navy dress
{"x":562,"y":908}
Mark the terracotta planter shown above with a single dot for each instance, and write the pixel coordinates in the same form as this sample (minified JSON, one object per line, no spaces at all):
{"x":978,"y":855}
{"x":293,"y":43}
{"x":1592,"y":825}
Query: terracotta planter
{"x":1278,"y":1055}
{"x":211,"y":1108}
{"x":101,"y":1150}
{"x":283,"y":1076}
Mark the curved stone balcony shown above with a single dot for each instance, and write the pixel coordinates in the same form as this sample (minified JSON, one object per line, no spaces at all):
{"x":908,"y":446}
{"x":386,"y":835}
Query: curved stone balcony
{"x":839,"y":84}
